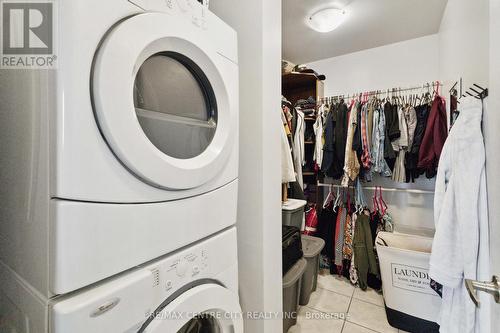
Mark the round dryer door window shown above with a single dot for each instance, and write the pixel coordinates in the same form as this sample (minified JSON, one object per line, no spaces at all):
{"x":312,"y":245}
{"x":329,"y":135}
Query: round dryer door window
{"x":175,"y":105}
{"x":205,"y":308}
{"x":160,"y":97}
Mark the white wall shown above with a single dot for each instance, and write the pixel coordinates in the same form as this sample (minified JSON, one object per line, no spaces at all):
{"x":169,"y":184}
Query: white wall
{"x":492,"y":139}
{"x":464,"y":42}
{"x":403,"y":64}
{"x":259,"y":205}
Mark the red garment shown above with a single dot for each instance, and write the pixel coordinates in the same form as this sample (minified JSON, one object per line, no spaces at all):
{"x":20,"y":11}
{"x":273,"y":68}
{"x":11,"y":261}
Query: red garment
{"x":311,"y":222}
{"x":435,"y":135}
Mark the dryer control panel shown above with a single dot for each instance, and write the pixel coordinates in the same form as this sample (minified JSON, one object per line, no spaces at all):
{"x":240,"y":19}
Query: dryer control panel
{"x":194,"y":10}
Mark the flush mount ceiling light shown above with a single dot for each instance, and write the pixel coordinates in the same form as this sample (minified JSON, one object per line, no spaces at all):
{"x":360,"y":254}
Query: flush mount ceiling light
{"x":327,"y":19}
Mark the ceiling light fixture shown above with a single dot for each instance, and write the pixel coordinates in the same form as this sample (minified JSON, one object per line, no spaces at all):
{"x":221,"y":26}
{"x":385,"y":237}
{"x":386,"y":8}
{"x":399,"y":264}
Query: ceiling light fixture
{"x":327,"y":19}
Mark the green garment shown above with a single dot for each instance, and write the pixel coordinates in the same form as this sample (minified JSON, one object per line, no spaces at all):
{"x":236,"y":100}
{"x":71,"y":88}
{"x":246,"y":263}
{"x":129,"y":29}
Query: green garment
{"x":364,"y":256}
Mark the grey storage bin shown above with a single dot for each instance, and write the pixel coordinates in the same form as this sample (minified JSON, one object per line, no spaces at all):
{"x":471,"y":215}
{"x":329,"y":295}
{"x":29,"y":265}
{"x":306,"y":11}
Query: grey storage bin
{"x":292,"y":212}
{"x":311,"y":246}
{"x":291,"y":293}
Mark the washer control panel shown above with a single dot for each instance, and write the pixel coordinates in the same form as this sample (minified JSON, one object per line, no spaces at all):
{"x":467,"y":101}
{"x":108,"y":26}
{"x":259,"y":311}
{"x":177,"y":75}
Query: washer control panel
{"x":184,"y":269}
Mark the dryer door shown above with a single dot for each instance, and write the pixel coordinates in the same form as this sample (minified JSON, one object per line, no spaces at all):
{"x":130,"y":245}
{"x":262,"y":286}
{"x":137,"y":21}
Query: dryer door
{"x":160,"y":100}
{"x":208,"y":308}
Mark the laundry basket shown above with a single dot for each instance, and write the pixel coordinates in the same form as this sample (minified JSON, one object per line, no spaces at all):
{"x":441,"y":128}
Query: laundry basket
{"x":292,"y":212}
{"x":410,"y":303}
{"x":311,"y":246}
{"x":291,"y":293}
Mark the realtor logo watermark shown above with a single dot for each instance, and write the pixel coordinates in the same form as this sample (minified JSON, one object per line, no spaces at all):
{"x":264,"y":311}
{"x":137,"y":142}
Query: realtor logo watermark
{"x":28,"y":34}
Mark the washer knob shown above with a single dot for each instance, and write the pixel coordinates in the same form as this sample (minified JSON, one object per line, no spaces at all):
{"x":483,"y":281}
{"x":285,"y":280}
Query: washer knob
{"x":168,"y":285}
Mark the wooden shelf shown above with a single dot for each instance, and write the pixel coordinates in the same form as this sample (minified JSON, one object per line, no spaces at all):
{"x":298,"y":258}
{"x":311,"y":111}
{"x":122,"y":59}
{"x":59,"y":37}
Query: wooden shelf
{"x":298,"y":79}
{"x":297,"y":86}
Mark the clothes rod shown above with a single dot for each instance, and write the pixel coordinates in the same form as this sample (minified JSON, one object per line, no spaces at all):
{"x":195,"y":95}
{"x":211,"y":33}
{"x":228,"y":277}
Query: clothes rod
{"x":386,"y":189}
{"x":387,"y":91}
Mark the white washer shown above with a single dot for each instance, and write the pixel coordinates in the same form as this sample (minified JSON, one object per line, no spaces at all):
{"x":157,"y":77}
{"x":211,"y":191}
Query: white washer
{"x":128,"y":150}
{"x":193,"y":290}
{"x":162,"y":296}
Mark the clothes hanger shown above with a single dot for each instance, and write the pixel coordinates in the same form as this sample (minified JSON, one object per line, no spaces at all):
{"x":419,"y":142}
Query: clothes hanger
{"x":337,"y":201}
{"x":329,"y":198}
{"x":375,"y":203}
{"x":360,"y":197}
{"x":382,"y":202}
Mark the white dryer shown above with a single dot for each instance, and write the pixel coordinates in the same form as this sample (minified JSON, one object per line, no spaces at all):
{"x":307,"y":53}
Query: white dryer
{"x":133,"y":141}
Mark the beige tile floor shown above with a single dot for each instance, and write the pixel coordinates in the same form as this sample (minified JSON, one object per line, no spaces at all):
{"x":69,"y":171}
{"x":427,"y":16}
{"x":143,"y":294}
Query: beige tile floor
{"x":339,"y":307}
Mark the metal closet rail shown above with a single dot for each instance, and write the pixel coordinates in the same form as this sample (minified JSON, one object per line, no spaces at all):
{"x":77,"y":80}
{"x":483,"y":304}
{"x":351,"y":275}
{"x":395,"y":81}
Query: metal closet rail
{"x":385,"y":189}
{"x":392,"y":91}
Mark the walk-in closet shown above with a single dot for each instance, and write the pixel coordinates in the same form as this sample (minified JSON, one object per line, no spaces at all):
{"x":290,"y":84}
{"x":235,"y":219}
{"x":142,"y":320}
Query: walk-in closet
{"x":384,"y":112}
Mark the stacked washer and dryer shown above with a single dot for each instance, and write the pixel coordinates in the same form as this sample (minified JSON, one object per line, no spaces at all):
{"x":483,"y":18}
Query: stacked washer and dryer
{"x":119,"y":174}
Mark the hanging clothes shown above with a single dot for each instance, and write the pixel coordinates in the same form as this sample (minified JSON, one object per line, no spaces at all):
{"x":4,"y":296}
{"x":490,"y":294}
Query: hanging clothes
{"x":353,"y":272}
{"x":340,"y":140}
{"x":351,"y":163}
{"x":339,"y":235}
{"x":348,"y":237}
{"x":365,"y":134}
{"x":412,"y":171}
{"x":319,"y":139}
{"x":411,"y":124}
{"x":379,"y":163}
{"x":299,"y":158}
{"x":400,"y":145}
{"x":434,"y":138}
{"x":392,"y":115}
{"x":402,"y":141}
{"x":326,"y":230}
{"x":407,"y":124}
{"x":364,"y":255}
{"x":329,"y":146}
{"x":287,"y":168}
{"x":392,"y":132}
{"x":387,"y":222}
{"x":375,"y":224}
{"x":369,"y":120}
{"x":460,"y":249}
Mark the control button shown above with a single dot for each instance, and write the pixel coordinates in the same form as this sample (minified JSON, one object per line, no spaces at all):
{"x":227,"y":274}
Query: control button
{"x":168,"y":285}
{"x":196,"y":21}
{"x":181,"y":268}
{"x":196,"y":270}
{"x":169,"y":3}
